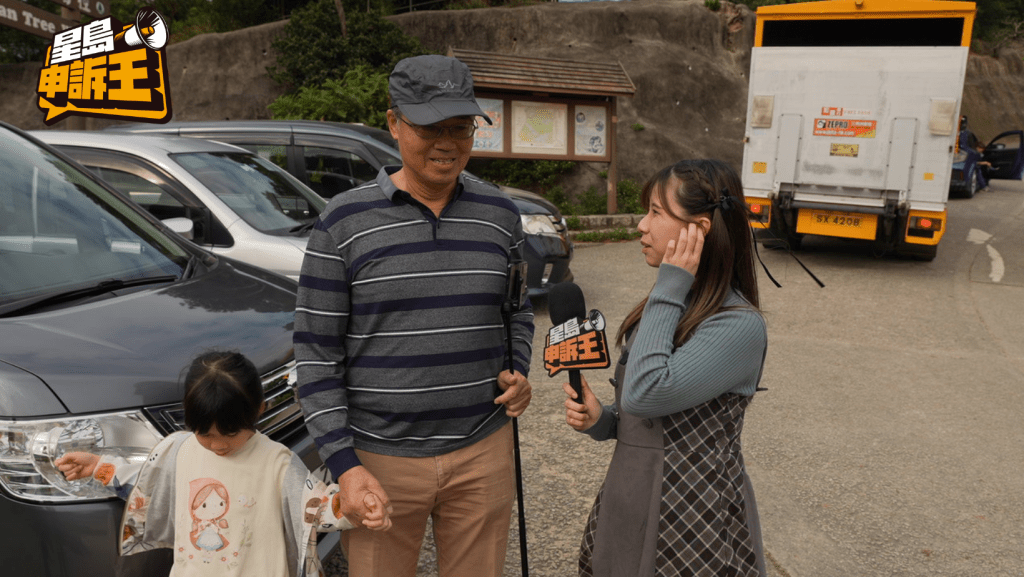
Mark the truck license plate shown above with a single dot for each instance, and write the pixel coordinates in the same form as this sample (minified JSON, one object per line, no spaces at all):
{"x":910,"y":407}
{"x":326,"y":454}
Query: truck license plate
{"x":835,"y":223}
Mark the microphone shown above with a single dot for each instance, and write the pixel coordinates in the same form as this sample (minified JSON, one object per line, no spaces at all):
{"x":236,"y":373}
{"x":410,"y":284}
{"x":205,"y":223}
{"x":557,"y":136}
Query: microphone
{"x":576,"y":339}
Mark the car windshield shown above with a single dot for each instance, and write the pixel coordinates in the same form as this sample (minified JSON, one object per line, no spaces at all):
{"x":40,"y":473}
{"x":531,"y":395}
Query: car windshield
{"x":256,"y":190}
{"x":61,"y":231}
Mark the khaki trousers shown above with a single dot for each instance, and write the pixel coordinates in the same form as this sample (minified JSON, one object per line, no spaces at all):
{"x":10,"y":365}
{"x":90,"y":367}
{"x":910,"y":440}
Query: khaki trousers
{"x":468,"y":494}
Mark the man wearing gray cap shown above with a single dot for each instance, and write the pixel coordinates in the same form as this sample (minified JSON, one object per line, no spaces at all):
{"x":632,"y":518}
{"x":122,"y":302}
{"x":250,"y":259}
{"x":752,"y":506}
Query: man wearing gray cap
{"x":400,"y":343}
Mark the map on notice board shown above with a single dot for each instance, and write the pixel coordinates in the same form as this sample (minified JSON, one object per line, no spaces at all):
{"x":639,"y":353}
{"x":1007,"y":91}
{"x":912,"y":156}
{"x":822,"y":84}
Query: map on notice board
{"x":539,"y":128}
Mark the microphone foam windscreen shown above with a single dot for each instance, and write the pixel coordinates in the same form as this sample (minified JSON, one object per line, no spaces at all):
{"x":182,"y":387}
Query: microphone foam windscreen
{"x":565,"y":301}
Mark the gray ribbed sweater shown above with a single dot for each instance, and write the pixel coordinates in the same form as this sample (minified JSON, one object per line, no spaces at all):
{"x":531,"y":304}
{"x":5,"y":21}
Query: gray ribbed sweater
{"x":725,"y":354}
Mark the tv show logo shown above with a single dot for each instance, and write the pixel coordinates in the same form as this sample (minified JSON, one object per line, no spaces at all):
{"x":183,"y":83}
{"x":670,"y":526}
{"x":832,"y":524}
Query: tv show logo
{"x":108,"y":70}
{"x":576,"y":345}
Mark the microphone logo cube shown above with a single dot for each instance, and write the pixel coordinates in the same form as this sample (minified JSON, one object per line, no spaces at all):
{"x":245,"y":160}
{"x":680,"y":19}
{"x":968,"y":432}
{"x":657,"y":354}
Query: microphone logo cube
{"x":576,"y":345}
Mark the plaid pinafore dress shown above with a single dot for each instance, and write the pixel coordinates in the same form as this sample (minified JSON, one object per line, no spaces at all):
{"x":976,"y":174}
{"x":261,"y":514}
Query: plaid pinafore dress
{"x":676,"y":500}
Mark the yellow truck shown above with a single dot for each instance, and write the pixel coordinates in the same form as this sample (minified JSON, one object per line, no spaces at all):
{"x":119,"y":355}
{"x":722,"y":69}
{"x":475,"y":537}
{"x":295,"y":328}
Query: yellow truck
{"x":852,"y":119}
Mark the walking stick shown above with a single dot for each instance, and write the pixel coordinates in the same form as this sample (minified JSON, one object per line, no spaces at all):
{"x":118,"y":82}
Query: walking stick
{"x":516,"y":293}
{"x":519,"y":483}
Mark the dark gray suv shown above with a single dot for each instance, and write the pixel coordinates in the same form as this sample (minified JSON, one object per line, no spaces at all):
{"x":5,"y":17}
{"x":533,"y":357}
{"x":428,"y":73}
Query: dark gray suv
{"x":332,"y":157}
{"x":101,"y":307}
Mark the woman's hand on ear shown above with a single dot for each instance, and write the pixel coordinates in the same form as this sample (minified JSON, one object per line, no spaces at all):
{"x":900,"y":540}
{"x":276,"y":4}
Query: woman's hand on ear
{"x":685,"y":252}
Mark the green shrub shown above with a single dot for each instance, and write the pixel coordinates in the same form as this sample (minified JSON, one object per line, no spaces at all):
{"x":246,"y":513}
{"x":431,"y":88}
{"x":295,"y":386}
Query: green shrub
{"x":360,"y":96}
{"x":637,"y":126}
{"x":591,"y":201}
{"x":713,"y":5}
{"x":628,"y":197}
{"x":573,"y":222}
{"x":621,"y":233}
{"x":556,"y":195}
{"x":532,"y":174}
{"x":312,"y":50}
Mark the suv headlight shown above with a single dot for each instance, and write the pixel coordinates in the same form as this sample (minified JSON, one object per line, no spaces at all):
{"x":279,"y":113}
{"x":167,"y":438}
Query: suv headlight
{"x":960,"y":156}
{"x":538,"y":224}
{"x":29,"y":448}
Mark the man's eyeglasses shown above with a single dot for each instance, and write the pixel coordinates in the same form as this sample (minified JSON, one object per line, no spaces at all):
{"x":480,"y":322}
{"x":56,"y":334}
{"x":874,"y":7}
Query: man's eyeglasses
{"x":433,"y":131}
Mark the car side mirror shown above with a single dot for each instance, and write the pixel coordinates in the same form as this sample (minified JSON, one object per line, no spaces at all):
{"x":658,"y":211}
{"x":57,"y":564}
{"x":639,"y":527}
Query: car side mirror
{"x":181,"y":226}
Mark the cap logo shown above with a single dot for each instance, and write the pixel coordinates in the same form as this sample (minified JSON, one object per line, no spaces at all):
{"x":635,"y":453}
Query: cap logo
{"x":446,"y":86}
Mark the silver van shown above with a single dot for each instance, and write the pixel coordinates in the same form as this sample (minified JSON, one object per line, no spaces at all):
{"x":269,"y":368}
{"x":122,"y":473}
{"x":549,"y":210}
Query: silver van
{"x":238,"y":204}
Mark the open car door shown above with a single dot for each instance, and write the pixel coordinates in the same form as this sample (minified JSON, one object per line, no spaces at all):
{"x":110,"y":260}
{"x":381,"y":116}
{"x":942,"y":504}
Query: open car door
{"x":1006,"y":153}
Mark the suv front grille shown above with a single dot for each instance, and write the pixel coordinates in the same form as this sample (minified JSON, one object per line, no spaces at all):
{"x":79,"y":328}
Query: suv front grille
{"x":282,"y":407}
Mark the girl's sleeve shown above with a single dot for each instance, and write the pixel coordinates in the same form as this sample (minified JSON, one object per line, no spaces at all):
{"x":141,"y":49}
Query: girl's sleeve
{"x":117,"y":474}
{"x":330,"y":516}
{"x":304,"y":498}
{"x":724,"y":354}
{"x":606,"y":426}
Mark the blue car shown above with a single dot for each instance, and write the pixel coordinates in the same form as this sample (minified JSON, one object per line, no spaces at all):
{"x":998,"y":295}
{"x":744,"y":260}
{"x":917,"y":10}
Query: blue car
{"x":1002,"y":158}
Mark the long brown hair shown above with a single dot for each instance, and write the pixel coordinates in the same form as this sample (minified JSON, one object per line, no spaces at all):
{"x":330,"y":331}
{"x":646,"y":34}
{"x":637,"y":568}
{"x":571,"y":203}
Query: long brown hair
{"x":706,"y":188}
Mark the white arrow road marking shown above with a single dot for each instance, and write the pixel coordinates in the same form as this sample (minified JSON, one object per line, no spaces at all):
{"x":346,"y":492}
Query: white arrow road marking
{"x":997,"y":264}
{"x":998,"y":267}
{"x":978,"y":236}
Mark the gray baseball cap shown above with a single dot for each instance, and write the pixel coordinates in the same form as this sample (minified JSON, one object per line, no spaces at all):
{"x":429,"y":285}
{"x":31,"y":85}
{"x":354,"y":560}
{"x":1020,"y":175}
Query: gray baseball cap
{"x":429,"y":89}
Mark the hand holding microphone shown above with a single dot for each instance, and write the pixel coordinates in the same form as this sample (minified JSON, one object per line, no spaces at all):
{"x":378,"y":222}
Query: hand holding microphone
{"x":581,"y":414}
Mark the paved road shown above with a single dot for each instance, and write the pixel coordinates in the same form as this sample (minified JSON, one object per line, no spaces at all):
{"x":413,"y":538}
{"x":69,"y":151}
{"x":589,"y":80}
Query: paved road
{"x":890,"y":441}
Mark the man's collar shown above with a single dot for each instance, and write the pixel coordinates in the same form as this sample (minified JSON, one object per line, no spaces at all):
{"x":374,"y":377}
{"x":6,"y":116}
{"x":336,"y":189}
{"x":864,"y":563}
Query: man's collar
{"x":384,"y":180}
{"x":388,"y":186}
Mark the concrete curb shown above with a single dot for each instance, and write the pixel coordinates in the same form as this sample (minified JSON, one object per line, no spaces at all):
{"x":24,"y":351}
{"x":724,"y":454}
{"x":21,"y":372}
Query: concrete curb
{"x":604,"y":223}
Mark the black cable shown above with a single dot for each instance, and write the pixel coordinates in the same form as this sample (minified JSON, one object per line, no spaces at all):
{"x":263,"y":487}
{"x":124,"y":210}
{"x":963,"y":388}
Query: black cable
{"x":789,"y":249}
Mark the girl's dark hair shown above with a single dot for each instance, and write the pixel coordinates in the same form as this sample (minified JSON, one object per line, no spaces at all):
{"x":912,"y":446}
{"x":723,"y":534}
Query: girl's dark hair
{"x":706,"y":188}
{"x":222,"y":389}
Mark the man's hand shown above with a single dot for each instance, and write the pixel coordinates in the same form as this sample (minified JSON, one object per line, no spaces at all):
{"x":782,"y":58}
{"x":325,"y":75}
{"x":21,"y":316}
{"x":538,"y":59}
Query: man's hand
{"x":355,"y":502}
{"x":517,"y":392}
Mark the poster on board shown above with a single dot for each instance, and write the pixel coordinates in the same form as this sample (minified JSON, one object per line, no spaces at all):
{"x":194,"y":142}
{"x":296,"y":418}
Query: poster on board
{"x":490,"y":137}
{"x":591,"y":130}
{"x":539,"y":128}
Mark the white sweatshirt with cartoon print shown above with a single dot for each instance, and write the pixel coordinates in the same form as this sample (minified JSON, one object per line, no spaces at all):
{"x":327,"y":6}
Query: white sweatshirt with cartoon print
{"x":254,"y":512}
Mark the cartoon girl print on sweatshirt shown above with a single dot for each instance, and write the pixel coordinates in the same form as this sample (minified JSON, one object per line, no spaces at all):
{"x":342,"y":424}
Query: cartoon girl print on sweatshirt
{"x":208,"y":502}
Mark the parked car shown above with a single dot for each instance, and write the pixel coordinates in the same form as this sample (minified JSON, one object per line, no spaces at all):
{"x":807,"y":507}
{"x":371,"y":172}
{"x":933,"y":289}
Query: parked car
{"x":101,"y":307}
{"x":238,"y":204}
{"x":332,"y":157}
{"x":1004,"y":155}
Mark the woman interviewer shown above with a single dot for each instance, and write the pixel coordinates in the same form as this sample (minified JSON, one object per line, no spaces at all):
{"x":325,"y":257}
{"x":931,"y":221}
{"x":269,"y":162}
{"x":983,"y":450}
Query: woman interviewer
{"x":676,"y":499}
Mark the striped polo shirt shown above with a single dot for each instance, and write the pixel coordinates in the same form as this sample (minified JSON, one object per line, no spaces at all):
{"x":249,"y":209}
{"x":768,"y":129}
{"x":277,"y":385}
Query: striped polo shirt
{"x":399,"y":336}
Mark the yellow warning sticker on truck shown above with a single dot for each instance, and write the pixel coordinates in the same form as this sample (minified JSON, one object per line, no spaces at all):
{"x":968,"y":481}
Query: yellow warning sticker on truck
{"x":850,"y":150}
{"x":760,"y":168}
{"x":845,"y":127}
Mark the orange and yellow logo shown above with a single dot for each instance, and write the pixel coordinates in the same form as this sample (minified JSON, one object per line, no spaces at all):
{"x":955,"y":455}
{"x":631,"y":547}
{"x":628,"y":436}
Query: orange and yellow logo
{"x":107,"y":70}
{"x":576,"y":345}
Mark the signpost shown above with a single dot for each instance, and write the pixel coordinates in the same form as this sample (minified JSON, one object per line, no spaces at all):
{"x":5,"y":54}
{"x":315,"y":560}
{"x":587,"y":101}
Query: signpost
{"x":94,"y":8}
{"x":21,"y":16}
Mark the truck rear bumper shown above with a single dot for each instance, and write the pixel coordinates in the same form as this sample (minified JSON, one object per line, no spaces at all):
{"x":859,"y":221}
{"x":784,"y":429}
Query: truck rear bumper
{"x":791,"y":219}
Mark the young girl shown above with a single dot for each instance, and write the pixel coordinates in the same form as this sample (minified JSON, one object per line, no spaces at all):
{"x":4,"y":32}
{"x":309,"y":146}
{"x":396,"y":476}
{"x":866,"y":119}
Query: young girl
{"x":229,"y":500}
{"x":676,"y":499}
